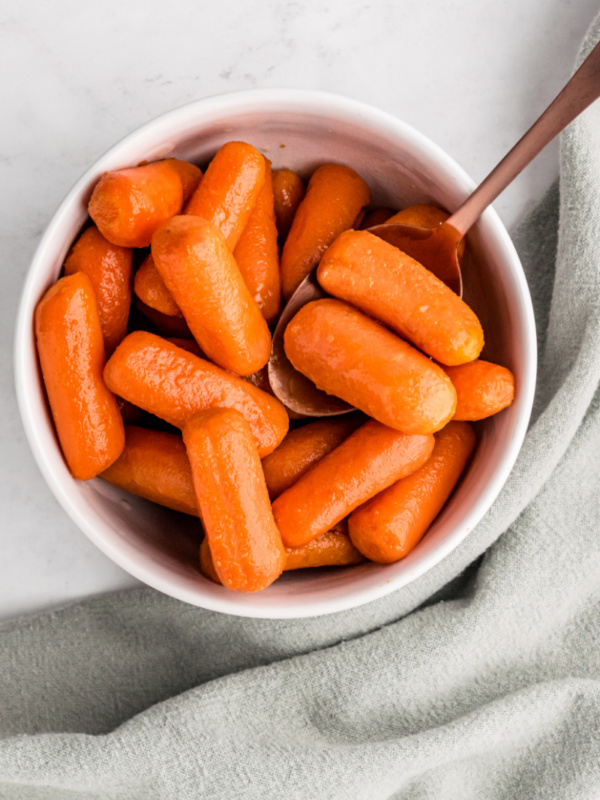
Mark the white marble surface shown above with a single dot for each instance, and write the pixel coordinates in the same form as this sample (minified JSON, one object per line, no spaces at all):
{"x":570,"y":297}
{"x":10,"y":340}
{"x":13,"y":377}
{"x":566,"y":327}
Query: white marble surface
{"x":471,"y":74}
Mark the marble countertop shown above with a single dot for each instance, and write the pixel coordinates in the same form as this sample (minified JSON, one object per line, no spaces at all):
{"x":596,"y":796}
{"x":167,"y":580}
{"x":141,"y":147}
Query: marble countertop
{"x":471,"y":74}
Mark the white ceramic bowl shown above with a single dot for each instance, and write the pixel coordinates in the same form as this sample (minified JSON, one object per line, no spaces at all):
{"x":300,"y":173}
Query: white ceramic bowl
{"x":296,"y":129}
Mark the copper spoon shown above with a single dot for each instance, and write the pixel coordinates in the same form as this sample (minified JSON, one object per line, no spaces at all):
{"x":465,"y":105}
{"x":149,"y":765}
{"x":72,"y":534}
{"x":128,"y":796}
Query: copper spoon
{"x":436,"y":248}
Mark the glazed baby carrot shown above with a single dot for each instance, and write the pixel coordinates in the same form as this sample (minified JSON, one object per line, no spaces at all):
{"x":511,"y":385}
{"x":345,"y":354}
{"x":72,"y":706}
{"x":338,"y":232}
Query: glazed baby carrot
{"x":200,"y":271}
{"x":289,"y":191}
{"x":229,"y":189}
{"x":154,"y":465}
{"x":108,"y":267}
{"x":190,"y":176}
{"x":351,"y":356}
{"x":482,"y":389}
{"x":331,"y":549}
{"x":257,"y":253}
{"x":425,"y":215}
{"x":370,"y":460}
{"x":128,"y":205}
{"x":173,"y":384}
{"x":151,"y":290}
{"x":334,"y":197}
{"x":230,"y":488}
{"x":390,"y":525}
{"x":409,"y":299}
{"x":71,"y":352}
{"x":303,"y":447}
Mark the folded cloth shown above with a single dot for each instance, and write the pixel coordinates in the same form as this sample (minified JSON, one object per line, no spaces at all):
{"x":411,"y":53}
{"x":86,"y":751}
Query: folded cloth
{"x":491,"y":689}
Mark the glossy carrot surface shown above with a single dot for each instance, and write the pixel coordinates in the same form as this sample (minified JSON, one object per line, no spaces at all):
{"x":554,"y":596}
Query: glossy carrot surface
{"x":229,"y":189}
{"x":368,"y":461}
{"x":289,"y":191}
{"x":482,"y":389}
{"x":198,"y":268}
{"x":154,"y":465}
{"x":108,"y":267}
{"x":303,"y":447}
{"x":190,"y":176}
{"x":334,"y":197}
{"x":331,"y":549}
{"x":351,"y":356}
{"x":128,"y":205}
{"x":71,"y":351}
{"x":150,"y":288}
{"x":409,"y":299}
{"x":245,"y":544}
{"x":257,"y":253}
{"x":388,"y":527}
{"x":173,"y":384}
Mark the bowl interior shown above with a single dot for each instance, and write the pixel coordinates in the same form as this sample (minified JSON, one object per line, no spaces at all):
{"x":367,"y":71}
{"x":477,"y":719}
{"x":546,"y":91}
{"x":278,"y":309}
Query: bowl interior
{"x":298,"y":130}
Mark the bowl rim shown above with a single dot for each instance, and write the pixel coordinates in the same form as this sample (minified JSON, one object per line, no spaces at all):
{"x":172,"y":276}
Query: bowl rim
{"x":158,"y":577}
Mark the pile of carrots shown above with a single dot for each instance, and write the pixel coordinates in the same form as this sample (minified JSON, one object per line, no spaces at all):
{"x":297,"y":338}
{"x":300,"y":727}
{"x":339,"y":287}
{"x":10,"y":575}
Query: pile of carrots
{"x":154,"y":343}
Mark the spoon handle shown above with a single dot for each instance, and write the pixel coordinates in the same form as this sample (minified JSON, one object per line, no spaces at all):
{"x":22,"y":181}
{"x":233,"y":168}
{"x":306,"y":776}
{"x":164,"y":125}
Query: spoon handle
{"x":577,"y":95}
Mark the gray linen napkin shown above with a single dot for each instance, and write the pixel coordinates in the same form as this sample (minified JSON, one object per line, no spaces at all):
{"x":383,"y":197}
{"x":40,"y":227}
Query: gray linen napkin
{"x":491,"y":690}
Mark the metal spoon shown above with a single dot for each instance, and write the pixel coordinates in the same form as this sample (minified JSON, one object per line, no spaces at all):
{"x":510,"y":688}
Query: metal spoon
{"x":435,"y":248}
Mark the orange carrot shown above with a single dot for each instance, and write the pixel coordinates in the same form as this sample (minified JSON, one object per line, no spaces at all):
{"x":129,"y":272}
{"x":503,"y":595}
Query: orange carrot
{"x":190,"y":176}
{"x":424,"y":215}
{"x":289,"y":191}
{"x":482,"y":389}
{"x":229,"y":189}
{"x":173,"y":384}
{"x":71,"y":351}
{"x":257,"y":253}
{"x":199,"y":270}
{"x":376,"y":217}
{"x":331,"y":549}
{"x":151,"y":290}
{"x":154,"y":465}
{"x":370,"y":460}
{"x":408,"y":298}
{"x":389,"y":526}
{"x":353,"y":357}
{"x":128,"y":205}
{"x":108,"y":267}
{"x":230,"y":488}
{"x":303,"y":447}
{"x":334,"y":197}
